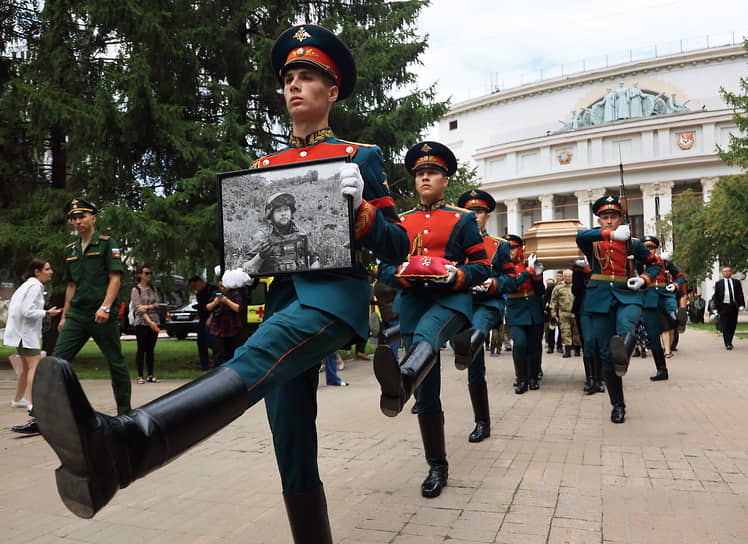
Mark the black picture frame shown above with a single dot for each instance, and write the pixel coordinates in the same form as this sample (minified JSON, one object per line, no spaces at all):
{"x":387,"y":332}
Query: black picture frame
{"x":322,"y":237}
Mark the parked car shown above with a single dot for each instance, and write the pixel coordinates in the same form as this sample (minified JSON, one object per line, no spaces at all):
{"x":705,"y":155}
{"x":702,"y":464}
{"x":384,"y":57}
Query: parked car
{"x":182,"y":321}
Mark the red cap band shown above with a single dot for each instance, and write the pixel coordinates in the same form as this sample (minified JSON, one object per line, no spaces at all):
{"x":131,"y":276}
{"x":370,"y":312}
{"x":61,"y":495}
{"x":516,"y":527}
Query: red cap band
{"x":315,"y":57}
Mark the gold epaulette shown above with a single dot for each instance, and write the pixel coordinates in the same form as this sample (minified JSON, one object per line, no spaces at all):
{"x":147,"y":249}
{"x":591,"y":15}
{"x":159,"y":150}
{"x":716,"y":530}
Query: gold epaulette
{"x":457,"y":208}
{"x":356,"y":143}
{"x":104,"y":237}
{"x":71,"y":244}
{"x":497,"y":238}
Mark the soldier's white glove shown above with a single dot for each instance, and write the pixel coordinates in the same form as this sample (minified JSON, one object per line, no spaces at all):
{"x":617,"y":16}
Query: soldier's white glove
{"x":452,"y":269}
{"x":539,"y":269}
{"x":580,"y":263}
{"x":670,"y":288}
{"x":622,"y":233}
{"x":482,"y":287}
{"x":635,"y":283}
{"x":233,"y":279}
{"x":351,"y":183}
{"x":531,"y":260}
{"x":741,"y":308}
{"x":665,"y":255}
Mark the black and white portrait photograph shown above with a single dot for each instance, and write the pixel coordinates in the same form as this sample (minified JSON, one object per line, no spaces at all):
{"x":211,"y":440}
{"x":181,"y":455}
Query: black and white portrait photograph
{"x":285,"y":219}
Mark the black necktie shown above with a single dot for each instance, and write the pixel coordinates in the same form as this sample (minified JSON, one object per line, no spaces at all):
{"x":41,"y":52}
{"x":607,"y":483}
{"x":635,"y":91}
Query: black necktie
{"x":729,"y":288}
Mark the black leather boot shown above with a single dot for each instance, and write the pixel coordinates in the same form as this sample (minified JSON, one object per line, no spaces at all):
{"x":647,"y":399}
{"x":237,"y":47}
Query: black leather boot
{"x":432,"y":434}
{"x":621,"y":348}
{"x":479,"y":399}
{"x":101,"y":454}
{"x":659,"y":358}
{"x":307,"y":515}
{"x":567,"y":352}
{"x":398,"y":382}
{"x":589,"y":379}
{"x":521,"y":371}
{"x":681,"y":320}
{"x":467,"y":344}
{"x":597,"y":365}
{"x":577,"y":351}
{"x":615,"y":392}
{"x":30,"y":427}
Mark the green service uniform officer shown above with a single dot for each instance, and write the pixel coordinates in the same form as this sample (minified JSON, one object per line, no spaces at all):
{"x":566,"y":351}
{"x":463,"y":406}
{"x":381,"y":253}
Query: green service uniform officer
{"x":488,"y":306}
{"x":562,"y":308}
{"x":659,"y":299}
{"x":433,"y":307}
{"x":523,"y":284}
{"x":93,"y":270}
{"x":613,"y":303}
{"x":307,"y":317}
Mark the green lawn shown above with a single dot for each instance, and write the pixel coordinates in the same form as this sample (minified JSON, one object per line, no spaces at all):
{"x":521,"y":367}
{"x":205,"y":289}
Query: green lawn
{"x":173,"y":359}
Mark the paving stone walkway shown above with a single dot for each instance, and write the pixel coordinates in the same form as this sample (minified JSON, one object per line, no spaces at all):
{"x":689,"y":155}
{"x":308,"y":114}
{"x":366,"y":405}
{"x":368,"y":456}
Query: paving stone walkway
{"x":554,"y":470}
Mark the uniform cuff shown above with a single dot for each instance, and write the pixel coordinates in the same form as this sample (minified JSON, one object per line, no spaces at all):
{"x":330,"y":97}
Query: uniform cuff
{"x":459,"y":282}
{"x":364,"y":219}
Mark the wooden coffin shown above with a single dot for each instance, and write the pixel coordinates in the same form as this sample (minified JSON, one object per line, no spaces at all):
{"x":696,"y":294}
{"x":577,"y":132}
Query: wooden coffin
{"x":554,"y":242}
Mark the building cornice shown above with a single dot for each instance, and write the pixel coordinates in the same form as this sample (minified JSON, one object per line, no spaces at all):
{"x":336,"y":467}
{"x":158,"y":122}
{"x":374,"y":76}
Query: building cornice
{"x":601,"y":171}
{"x":616,"y":128}
{"x":701,"y":56}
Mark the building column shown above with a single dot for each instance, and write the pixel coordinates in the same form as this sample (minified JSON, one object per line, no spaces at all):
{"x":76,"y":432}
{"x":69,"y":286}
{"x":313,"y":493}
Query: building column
{"x":664,"y":191}
{"x":584,"y":198}
{"x":512,"y":217}
{"x":546,"y":207}
{"x":707,"y":186}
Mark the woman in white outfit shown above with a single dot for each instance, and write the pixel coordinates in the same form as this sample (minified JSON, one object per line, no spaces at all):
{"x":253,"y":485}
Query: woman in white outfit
{"x":23,"y":331}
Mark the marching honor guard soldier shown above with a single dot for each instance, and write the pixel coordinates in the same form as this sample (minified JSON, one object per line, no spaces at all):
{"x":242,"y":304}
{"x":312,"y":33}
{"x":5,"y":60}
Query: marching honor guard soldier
{"x":523,"y":284}
{"x":613,"y":302}
{"x":659,"y":299}
{"x":307,"y":317}
{"x":93,"y":272}
{"x":487,"y":308}
{"x":447,"y":258}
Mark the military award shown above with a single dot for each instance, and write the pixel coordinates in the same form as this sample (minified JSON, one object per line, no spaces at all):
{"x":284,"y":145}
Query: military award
{"x":285,"y":219}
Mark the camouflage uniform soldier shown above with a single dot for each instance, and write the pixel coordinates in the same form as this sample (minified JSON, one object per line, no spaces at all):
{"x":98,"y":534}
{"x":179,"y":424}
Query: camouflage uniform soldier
{"x":562,"y":302}
{"x":282,"y":246}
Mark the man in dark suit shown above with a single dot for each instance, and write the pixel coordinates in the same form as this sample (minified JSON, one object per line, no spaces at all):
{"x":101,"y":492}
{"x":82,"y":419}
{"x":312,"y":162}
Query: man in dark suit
{"x":728,"y":300}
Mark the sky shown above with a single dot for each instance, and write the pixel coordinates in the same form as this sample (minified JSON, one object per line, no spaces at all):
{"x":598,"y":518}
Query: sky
{"x":475,"y":45}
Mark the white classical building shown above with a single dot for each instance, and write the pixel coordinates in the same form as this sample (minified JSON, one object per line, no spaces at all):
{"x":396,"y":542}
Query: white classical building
{"x":547,"y":150}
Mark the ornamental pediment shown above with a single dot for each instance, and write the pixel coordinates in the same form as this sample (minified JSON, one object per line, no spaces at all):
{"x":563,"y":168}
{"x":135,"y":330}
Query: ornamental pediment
{"x":624,"y":103}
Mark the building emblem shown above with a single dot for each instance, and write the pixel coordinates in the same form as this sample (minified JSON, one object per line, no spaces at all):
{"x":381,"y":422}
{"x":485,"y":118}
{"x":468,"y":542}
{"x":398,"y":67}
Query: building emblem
{"x":685,"y":140}
{"x":564,"y":157}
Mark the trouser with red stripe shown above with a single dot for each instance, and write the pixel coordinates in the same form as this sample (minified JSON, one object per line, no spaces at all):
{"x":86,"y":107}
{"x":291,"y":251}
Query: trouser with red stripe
{"x":435,"y":326}
{"x":280,"y":362}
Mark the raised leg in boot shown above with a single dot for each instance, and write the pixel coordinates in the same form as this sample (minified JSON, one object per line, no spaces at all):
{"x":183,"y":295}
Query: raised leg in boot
{"x":467,"y":344}
{"x":398,"y":382}
{"x":101,"y":454}
{"x":621,"y":348}
{"x":434,"y":446}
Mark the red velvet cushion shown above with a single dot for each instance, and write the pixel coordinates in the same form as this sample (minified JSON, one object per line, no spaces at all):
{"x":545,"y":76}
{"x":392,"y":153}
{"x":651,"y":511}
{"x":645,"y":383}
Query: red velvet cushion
{"x":423,"y":267}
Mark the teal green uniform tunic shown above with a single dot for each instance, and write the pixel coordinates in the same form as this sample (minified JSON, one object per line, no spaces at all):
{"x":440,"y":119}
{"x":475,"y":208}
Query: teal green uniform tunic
{"x":89,"y":271}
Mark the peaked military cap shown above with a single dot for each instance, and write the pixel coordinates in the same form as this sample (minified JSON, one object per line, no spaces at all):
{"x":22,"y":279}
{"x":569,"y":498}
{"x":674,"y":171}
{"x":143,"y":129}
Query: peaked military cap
{"x":477,"y":198}
{"x":316,"y":46}
{"x":651,"y":240}
{"x":430,"y":155}
{"x":607,"y":202}
{"x":277,"y":200}
{"x":514,"y":239}
{"x":80,"y":205}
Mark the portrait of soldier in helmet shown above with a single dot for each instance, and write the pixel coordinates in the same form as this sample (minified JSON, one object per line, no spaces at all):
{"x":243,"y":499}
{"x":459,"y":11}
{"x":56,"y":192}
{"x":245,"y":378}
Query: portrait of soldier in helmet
{"x":280,"y":245}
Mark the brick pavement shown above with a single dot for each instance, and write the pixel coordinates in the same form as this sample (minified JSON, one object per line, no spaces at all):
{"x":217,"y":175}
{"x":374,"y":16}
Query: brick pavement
{"x":554,"y":470}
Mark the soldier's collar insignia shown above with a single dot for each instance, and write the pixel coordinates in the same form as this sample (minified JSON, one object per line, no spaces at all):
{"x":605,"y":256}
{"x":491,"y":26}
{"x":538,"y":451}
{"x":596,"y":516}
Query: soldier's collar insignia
{"x":314,"y":138}
{"x":302,"y":34}
{"x":426,"y":148}
{"x":434,"y":206}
